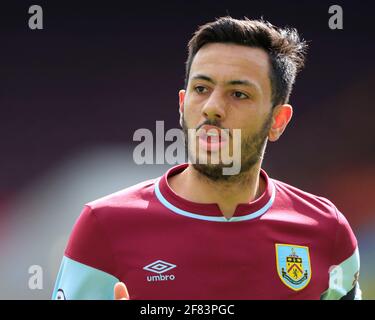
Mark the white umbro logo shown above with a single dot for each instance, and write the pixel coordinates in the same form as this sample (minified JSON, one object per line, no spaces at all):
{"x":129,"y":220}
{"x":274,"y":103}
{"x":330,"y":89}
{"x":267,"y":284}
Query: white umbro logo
{"x":160,"y":267}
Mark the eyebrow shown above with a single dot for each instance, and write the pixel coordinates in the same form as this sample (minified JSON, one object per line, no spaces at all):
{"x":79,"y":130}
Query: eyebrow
{"x":231,"y":82}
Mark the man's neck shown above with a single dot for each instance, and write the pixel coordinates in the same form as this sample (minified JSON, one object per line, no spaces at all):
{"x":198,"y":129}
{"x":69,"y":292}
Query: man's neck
{"x":194,"y":186}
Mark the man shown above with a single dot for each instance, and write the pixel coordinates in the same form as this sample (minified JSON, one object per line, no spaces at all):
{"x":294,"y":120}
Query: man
{"x":197,"y":233}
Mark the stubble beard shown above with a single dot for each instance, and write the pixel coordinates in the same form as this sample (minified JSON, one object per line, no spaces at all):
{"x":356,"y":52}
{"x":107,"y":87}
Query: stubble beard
{"x":252,"y":151}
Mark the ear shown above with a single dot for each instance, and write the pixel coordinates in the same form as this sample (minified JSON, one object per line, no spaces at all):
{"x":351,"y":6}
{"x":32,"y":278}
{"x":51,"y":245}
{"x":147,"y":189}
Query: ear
{"x":282,"y":114}
{"x":181,"y":96}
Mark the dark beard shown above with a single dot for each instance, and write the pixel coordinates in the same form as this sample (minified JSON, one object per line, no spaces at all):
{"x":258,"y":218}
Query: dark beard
{"x":252,"y":150}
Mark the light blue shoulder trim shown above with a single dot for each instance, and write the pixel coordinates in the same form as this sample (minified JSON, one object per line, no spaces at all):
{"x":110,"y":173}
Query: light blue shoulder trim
{"x":77,"y":281}
{"x":250,"y":216}
{"x":343,"y":278}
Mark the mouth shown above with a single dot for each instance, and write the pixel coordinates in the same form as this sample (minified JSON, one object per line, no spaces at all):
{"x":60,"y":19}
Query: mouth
{"x":212,"y":138}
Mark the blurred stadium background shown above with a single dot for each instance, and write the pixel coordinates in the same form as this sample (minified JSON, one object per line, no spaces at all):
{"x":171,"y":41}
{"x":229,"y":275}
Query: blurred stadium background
{"x":72,"y":95}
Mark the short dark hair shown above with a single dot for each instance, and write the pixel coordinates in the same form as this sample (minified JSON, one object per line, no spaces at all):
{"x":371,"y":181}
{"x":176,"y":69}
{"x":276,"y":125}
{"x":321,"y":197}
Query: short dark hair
{"x":285,"y":49}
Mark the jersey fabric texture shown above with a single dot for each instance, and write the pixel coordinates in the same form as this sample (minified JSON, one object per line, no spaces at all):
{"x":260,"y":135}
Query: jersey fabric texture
{"x":286,"y":244}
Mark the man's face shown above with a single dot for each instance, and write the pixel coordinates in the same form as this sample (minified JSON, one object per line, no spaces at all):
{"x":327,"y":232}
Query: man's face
{"x":228,"y":88}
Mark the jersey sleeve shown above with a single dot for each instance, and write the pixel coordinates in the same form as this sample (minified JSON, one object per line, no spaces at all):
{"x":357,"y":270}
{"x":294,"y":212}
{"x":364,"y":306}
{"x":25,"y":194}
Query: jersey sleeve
{"x":87,"y":269}
{"x":344,"y":271}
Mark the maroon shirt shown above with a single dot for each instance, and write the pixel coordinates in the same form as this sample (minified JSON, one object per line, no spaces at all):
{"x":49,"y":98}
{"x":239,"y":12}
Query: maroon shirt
{"x":287,"y":244}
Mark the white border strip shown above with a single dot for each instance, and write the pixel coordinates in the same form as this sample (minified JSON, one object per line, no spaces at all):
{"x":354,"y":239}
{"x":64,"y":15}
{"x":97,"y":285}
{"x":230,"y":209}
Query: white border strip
{"x":250,"y":216}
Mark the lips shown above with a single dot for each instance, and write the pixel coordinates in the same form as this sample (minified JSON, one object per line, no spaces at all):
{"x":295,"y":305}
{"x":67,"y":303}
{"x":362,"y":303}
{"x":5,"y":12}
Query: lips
{"x":212,"y":133}
{"x":212,"y":138}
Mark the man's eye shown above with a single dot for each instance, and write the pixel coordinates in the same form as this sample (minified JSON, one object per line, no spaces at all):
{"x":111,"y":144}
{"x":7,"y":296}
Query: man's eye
{"x":200,"y":89}
{"x":240,"y":95}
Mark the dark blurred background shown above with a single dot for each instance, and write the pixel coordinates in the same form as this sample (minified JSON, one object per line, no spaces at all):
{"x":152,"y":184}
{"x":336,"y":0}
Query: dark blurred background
{"x":72,"y":95}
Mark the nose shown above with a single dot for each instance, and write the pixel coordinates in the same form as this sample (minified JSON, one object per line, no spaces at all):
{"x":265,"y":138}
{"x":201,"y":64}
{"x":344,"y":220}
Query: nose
{"x":214,"y":109}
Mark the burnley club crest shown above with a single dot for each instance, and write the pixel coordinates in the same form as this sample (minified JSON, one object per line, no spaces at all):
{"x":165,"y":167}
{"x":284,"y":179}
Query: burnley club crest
{"x":293,"y":265}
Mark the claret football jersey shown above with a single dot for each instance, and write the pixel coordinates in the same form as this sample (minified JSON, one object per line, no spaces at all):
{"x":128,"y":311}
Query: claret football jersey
{"x":286,"y":244}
